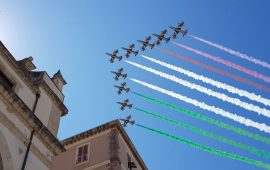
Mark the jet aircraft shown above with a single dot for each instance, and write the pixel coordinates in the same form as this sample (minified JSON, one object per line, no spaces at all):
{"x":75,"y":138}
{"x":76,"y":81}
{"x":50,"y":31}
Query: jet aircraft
{"x":125,"y":104}
{"x":162,"y":37}
{"x":114,"y":56}
{"x":121,"y":88}
{"x":119,"y":74}
{"x":129,"y":50}
{"x":177,"y":29}
{"x":127,"y":121}
{"x":146,"y":43}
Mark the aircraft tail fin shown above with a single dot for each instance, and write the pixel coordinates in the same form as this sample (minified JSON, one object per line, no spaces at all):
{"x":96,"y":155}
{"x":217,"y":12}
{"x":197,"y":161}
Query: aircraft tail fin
{"x":168,"y":39}
{"x":127,"y":90}
{"x":120,"y":58}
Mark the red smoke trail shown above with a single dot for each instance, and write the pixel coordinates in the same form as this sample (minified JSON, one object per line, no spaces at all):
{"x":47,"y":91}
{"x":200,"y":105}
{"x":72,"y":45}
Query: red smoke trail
{"x":227,"y":63}
{"x":216,"y":70}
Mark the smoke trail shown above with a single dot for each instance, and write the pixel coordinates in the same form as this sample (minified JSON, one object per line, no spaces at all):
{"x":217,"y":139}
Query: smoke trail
{"x":233,"y":52}
{"x":224,"y":97}
{"x":208,"y":119}
{"x":208,"y":149}
{"x":209,"y":134}
{"x":227,"y":63}
{"x":219,"y":111}
{"x":215,"y":83}
{"x":216,"y":70}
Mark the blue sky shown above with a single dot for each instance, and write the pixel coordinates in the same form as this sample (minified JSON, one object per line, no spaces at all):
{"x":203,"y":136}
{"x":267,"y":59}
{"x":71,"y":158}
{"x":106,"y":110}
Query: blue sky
{"x":75,"y":35}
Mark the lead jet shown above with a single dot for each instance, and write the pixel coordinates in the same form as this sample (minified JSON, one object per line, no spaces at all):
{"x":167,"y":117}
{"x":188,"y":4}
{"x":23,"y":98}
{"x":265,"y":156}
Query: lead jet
{"x":146,"y":43}
{"x":177,"y":29}
{"x":162,"y":37}
{"x":129,"y":50}
{"x":121,"y":88}
{"x":125,"y":104}
{"x":119,"y":74}
{"x":127,"y":121}
{"x":114,"y":56}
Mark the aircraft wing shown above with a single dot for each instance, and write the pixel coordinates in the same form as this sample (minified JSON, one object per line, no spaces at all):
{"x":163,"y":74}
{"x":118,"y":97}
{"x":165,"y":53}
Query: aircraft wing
{"x":163,"y":32}
{"x":181,"y":24}
{"x":132,"y":46}
{"x":120,"y":70}
{"x":115,"y":52}
{"x":148,"y":39}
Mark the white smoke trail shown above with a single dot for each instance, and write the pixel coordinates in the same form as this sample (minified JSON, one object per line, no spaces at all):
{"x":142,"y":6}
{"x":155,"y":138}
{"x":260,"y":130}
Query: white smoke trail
{"x":233,"y":52}
{"x":205,"y":90}
{"x":239,"y":119}
{"x":215,"y":83}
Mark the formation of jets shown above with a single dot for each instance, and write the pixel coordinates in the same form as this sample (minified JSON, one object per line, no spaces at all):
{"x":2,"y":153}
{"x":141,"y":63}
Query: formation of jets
{"x":160,"y":37}
{"x":130,"y":51}
{"x":119,"y":74}
{"x":125,"y":104}
{"x":128,"y":120}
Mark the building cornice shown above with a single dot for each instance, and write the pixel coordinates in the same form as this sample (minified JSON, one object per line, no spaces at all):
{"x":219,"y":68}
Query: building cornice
{"x":26,"y":76}
{"x":30,"y":120}
{"x":9,"y":57}
{"x":107,"y":126}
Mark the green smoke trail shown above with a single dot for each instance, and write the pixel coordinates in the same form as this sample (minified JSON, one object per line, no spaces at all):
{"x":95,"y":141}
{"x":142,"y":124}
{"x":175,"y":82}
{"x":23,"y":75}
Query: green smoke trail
{"x":209,"y":134}
{"x":210,"y":150}
{"x":209,"y":120}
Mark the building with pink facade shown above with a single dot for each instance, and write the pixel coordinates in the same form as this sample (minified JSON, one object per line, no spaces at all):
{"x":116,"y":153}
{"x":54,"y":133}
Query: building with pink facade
{"x":106,"y":147}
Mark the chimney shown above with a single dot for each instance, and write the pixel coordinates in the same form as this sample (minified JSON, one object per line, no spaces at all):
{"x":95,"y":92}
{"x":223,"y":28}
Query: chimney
{"x":58,"y":80}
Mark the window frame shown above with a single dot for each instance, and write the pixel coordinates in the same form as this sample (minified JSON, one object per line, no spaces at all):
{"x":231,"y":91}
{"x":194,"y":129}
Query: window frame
{"x":77,"y":152}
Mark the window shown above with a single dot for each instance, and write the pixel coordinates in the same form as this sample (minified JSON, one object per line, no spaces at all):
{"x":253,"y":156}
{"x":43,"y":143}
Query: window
{"x":82,"y":153}
{"x":131,"y":164}
{"x":5,"y":81}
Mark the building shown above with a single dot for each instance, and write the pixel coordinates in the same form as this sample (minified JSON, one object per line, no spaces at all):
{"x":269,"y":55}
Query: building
{"x":31,"y":105}
{"x":106,"y":147}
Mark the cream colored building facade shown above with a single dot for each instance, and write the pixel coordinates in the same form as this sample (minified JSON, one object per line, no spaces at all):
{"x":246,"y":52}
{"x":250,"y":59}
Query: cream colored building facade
{"x":31,"y":104}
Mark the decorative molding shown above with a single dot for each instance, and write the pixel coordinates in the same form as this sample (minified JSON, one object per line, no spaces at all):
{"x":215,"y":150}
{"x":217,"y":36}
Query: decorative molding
{"x":98,"y":165}
{"x":9,"y":57}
